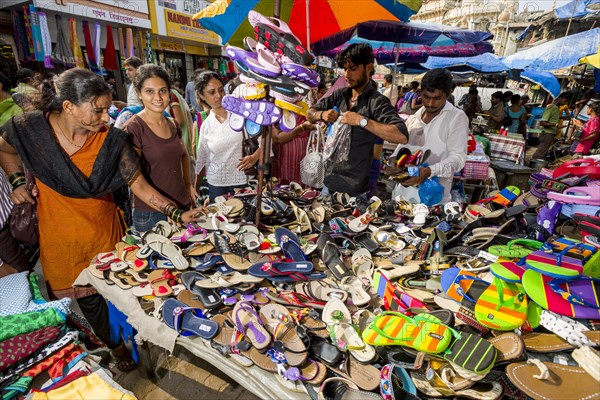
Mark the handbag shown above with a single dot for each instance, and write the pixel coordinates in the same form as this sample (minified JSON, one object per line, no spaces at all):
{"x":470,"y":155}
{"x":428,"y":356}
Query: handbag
{"x":507,"y":120}
{"x":249,"y":147}
{"x":312,"y":166}
{"x":23,"y":218}
{"x":406,"y":105}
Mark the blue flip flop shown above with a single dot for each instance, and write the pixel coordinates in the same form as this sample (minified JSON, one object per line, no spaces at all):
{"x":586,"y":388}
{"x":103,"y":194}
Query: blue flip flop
{"x":188,"y":321}
{"x":285,"y":271}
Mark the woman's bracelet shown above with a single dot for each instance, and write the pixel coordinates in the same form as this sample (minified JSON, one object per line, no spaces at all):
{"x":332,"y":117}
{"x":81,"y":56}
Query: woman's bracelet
{"x":17,"y":179}
{"x":171,"y":211}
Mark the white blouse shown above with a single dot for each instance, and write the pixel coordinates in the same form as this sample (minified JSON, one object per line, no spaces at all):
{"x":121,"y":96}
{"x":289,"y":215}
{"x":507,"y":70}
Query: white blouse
{"x":219,"y":152}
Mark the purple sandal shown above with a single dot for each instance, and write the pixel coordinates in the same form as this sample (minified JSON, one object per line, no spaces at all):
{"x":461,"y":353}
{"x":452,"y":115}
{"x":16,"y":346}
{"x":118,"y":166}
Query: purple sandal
{"x":261,"y":112}
{"x":249,"y":323}
{"x":301,"y":73}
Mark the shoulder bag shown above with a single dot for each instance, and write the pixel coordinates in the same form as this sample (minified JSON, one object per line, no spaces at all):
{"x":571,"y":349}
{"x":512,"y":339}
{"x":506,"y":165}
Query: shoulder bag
{"x":23,"y":218}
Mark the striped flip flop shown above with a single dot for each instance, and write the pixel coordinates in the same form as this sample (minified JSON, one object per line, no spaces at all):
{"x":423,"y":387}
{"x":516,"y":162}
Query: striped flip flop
{"x":576,"y":298}
{"x":394,"y":299}
{"x":555,"y":265}
{"x":424,"y":333}
{"x":471,"y":352}
{"x":502,"y":306}
{"x":460,"y":284}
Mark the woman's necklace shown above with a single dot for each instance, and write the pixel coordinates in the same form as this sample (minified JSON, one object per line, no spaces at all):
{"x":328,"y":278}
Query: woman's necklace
{"x":65,"y":136}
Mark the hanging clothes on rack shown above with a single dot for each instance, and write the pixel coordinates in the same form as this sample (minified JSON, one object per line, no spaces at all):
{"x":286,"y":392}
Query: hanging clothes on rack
{"x":110,"y":55}
{"x":28,"y":32}
{"x":62,"y":51}
{"x":20,"y":37}
{"x":77,"y":54}
{"x":129,"y":44}
{"x":38,"y":47}
{"x":97,"y":53}
{"x":46,"y":39}
{"x":121,"y":45}
{"x":89,"y":46}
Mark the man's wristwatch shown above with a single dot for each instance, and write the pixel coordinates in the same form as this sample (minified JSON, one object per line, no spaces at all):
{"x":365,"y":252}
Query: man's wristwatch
{"x":363,"y":122}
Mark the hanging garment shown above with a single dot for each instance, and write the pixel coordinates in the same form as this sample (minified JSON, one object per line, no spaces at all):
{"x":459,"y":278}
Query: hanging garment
{"x":62,"y":51}
{"x":121,"y":45}
{"x":28,"y":32}
{"x":140,"y":45}
{"x":89,"y":46}
{"x":149,"y":52}
{"x":77,"y":54}
{"x":97,"y":34}
{"x":110,"y":55}
{"x":46,"y":39}
{"x":129,"y":42}
{"x":38,"y":46}
{"x":20,"y":36}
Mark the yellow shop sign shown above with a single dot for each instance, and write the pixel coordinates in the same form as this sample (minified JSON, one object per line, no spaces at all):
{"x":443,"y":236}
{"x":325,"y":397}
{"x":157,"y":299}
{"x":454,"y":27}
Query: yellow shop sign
{"x":183,"y":26}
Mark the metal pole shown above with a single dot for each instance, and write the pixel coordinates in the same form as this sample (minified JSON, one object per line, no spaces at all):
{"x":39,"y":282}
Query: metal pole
{"x":307,"y":2}
{"x":265,"y":153}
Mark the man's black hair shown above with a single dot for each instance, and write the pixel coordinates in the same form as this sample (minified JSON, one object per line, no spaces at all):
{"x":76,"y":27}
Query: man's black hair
{"x":565,"y":95}
{"x":388,"y":78}
{"x":24,"y":75}
{"x":507,"y":95}
{"x":498,"y":95}
{"x":438,"y":78}
{"x":357,"y":54}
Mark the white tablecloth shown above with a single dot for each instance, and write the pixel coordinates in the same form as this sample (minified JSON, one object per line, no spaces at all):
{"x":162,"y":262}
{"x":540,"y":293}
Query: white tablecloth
{"x":262,"y":383}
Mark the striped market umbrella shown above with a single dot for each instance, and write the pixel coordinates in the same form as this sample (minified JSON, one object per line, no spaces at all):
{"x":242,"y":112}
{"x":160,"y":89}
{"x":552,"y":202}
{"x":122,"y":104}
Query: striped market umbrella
{"x":229,"y":18}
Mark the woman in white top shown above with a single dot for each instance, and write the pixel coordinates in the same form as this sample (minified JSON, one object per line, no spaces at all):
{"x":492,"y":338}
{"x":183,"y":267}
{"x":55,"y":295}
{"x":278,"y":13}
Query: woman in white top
{"x":220,"y":147}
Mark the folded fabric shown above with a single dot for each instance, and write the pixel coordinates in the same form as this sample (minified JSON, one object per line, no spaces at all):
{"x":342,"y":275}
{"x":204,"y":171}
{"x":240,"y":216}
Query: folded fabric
{"x":16,"y":297}
{"x":41,"y":355}
{"x":16,"y":324}
{"x":22,"y":346}
{"x":87,"y":387}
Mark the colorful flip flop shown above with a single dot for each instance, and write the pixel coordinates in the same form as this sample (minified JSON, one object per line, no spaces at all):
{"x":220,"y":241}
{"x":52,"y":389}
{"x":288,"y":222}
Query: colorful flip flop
{"x":575,"y":298}
{"x":517,"y":248}
{"x":394,"y":299}
{"x":502,"y":306}
{"x":460,"y":284}
{"x":424,"y":333}
{"x":508,"y":271}
{"x":555,"y":265}
{"x":471,"y":352}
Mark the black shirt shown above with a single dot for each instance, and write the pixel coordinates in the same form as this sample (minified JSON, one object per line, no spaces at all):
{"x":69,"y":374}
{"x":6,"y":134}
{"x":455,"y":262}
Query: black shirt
{"x":352,"y":176}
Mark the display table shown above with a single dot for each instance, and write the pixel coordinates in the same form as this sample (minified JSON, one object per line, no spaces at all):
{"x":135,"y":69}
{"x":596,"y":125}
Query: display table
{"x":511,"y":148}
{"x":262,"y":383}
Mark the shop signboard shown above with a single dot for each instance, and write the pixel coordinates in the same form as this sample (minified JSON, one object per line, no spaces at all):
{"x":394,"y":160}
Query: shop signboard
{"x":126,"y":12}
{"x":183,"y":26}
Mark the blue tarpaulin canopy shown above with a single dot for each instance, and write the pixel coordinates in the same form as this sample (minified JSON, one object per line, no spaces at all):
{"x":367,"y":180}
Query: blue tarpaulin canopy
{"x":546,"y":80}
{"x":559,"y":53}
{"x":482,"y":63}
{"x":576,"y":9}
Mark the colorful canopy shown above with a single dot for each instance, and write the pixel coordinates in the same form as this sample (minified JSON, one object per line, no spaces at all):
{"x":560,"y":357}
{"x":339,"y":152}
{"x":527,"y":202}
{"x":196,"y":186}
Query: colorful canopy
{"x":592,"y":59}
{"x":559,"y":53}
{"x":412,"y":42}
{"x":228,"y":18}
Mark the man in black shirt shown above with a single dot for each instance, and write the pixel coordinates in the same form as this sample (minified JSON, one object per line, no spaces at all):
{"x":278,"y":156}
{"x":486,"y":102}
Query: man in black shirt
{"x":367,"y":111}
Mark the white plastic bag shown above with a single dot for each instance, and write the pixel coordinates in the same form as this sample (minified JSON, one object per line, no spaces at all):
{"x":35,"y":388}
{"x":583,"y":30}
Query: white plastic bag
{"x":312,"y":166}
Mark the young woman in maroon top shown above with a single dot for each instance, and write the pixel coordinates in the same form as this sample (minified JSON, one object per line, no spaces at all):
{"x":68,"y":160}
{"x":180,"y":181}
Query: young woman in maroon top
{"x":157,"y":138}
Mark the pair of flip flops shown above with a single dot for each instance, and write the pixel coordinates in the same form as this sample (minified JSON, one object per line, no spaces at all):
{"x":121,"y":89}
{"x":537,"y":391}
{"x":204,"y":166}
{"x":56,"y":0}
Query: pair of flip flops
{"x":426,"y":333}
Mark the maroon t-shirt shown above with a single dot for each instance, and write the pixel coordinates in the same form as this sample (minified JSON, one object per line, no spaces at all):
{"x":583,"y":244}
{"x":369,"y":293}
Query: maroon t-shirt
{"x":161,"y":162}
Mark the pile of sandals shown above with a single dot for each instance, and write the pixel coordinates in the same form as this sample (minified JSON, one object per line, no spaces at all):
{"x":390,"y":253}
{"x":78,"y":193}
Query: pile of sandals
{"x":354,"y":297}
